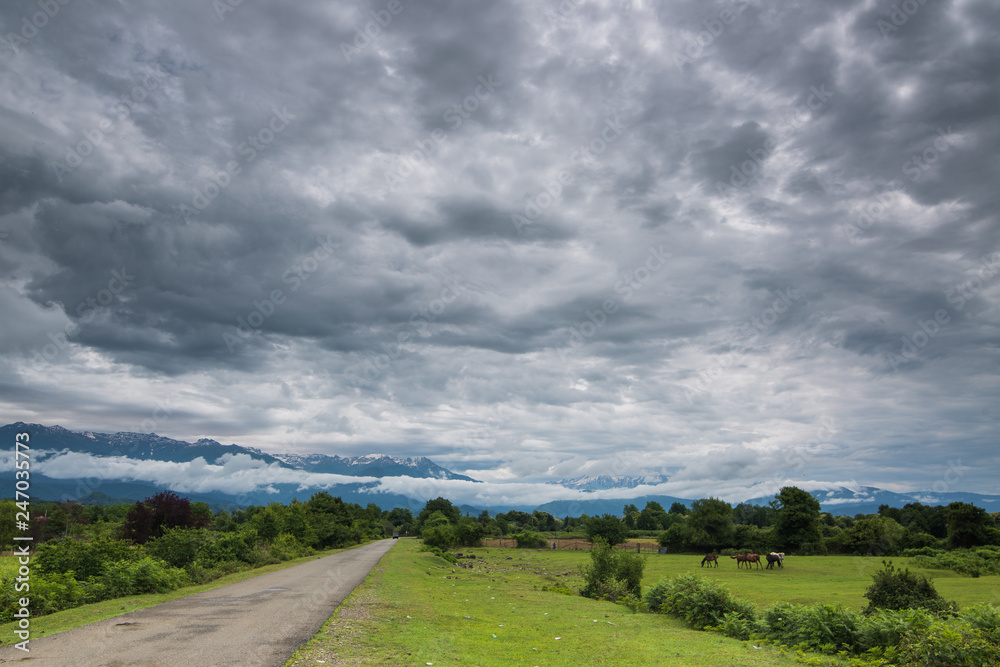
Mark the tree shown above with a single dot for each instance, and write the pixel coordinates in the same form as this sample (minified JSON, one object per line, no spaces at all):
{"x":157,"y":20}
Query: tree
{"x":607,"y":527}
{"x":150,"y":517}
{"x":652,"y":517}
{"x":678,"y":508}
{"x":711,"y":524}
{"x":796,"y":523}
{"x":967,"y":526}
{"x":873,"y":535}
{"x":439,"y":504}
{"x":630,"y":514}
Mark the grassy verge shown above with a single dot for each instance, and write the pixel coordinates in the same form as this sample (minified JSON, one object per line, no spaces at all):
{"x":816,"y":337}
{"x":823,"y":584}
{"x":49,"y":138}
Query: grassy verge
{"x":416,"y":609}
{"x":68,"y":619}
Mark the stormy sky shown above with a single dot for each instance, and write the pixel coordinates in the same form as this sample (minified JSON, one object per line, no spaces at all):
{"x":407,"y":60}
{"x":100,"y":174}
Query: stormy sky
{"x":732,"y":243}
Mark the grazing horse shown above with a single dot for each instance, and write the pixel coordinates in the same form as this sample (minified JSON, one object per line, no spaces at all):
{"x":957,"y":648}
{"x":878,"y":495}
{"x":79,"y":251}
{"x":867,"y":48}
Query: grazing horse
{"x":773,"y":558}
{"x":740,"y":559}
{"x":753,"y":558}
{"x":710,"y":559}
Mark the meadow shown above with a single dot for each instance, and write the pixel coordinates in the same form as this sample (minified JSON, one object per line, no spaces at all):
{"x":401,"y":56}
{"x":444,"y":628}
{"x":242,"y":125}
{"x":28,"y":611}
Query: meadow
{"x":415,"y":608}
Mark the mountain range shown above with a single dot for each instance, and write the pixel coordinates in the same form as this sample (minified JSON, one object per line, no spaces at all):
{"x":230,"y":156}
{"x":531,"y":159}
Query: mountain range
{"x":287,"y":476}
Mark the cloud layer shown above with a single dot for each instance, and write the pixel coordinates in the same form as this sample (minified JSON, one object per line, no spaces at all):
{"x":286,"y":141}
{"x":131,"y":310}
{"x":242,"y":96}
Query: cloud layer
{"x":729,"y":242}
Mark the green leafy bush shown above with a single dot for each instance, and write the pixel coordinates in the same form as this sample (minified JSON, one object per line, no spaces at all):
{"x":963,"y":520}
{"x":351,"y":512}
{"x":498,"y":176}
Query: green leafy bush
{"x":440,"y":553}
{"x":823,"y":627}
{"x":134,"y":578}
{"x":84,"y":558}
{"x":948,"y":645}
{"x":442,"y":537}
{"x":613,"y":574}
{"x":528,"y":539}
{"x":238,"y":546}
{"x":699,"y":601}
{"x":178,"y":547}
{"x":893,"y":588}
{"x":48,"y":594}
{"x":973,"y":562}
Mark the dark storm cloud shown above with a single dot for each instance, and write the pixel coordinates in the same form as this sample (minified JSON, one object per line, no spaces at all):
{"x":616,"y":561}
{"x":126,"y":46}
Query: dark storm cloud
{"x":325,"y":227}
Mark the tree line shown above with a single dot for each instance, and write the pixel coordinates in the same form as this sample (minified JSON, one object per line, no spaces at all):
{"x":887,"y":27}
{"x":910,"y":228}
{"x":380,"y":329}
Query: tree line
{"x":793,"y":522}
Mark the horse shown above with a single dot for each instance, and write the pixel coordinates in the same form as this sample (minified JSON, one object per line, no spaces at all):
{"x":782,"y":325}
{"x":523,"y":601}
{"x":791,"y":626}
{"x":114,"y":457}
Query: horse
{"x":710,"y":559}
{"x":773,"y":558}
{"x":740,"y":559}
{"x":753,"y":558}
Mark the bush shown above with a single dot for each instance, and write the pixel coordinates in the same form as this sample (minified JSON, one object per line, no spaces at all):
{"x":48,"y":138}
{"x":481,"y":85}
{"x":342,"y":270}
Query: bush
{"x":442,"y":537}
{"x":901,"y":589}
{"x":447,"y":555}
{"x":613,"y":574}
{"x":177,"y":547}
{"x":84,"y":558}
{"x":973,"y":562}
{"x":822,"y":627}
{"x":948,"y":644}
{"x":528,"y":539}
{"x":49,"y":593}
{"x":701,"y":602}
{"x":145,"y":576}
{"x":240,"y":546}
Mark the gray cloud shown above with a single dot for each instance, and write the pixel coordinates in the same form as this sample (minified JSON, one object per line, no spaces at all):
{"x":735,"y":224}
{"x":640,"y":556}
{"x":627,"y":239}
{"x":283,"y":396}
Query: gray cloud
{"x":285,"y":287}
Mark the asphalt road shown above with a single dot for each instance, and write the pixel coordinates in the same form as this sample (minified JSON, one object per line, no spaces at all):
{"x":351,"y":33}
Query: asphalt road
{"x":258,"y":621}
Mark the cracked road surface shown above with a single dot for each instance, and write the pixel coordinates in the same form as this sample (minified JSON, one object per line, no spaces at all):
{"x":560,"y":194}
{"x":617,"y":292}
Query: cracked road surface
{"x":258,"y":621}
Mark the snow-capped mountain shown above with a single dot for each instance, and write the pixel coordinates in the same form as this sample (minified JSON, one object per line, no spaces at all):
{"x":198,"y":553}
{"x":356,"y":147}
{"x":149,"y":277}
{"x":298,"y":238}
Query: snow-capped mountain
{"x":370,"y":465}
{"x":602,"y":482}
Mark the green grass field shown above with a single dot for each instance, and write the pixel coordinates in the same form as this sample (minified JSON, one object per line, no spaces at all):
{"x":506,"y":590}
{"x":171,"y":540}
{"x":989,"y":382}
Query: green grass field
{"x":416,"y":609}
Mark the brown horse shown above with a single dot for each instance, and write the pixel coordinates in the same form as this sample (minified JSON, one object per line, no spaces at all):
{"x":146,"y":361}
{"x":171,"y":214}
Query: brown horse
{"x":749,"y":559}
{"x":710,"y":559}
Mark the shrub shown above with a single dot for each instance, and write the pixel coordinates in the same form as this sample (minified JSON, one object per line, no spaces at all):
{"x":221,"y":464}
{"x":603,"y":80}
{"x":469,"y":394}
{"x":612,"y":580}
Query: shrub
{"x":240,"y":546}
{"x":177,"y":547}
{"x":822,"y":627}
{"x":447,"y":555}
{"x":442,"y":537}
{"x":613,"y":574}
{"x":699,"y":601}
{"x":145,"y":576}
{"x":528,"y":539}
{"x":901,"y":589}
{"x":949,"y":645}
{"x":84,"y":558}
{"x":49,"y":593}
